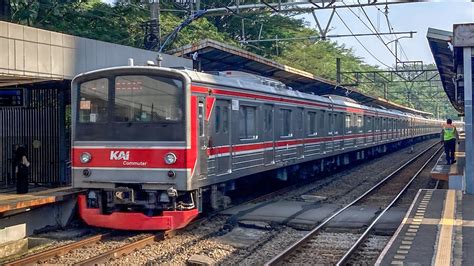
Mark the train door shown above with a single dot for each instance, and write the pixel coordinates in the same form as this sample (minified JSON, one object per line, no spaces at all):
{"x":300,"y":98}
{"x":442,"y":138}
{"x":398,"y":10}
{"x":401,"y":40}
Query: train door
{"x":222,"y":137}
{"x":268,"y":134}
{"x":329,"y":144}
{"x":203,"y":137}
{"x":299,"y":133}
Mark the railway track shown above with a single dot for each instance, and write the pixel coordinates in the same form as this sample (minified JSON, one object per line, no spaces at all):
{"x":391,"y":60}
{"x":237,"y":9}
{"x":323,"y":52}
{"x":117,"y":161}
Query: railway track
{"x":321,"y":246}
{"x":125,"y":249}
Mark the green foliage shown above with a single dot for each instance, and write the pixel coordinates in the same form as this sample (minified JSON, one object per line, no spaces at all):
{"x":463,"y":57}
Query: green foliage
{"x":121,"y":23}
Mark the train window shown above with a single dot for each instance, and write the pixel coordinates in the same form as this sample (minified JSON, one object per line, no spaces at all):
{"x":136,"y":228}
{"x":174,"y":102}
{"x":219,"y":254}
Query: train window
{"x":148,"y":99}
{"x":268,"y":120}
{"x":225,"y":119}
{"x":93,"y":101}
{"x":369,"y":124}
{"x":360,"y":124}
{"x":312,"y":118}
{"x":201,"y":118}
{"x":348,"y":123}
{"x":247,"y":122}
{"x":217,"y":122}
{"x":286,"y":123}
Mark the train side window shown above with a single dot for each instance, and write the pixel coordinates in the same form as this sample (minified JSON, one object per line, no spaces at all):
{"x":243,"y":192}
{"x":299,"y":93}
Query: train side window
{"x":286,"y":123}
{"x":312,"y":127}
{"x":247,"y":122}
{"x":218,"y":118}
{"x":369,"y":124}
{"x":320,"y":125}
{"x":360,"y":125}
{"x":225,"y":119}
{"x":348,"y":124}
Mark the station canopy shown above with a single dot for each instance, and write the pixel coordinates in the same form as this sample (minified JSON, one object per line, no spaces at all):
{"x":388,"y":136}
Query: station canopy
{"x":440,"y":42}
{"x":216,"y":56}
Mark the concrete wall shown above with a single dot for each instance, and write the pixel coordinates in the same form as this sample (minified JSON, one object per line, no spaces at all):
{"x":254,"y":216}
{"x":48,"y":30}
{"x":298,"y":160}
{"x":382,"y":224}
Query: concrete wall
{"x":35,"y":53}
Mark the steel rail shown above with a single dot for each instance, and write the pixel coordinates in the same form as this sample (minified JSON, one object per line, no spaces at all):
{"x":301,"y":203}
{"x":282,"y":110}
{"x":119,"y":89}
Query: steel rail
{"x":123,"y":250}
{"x":281,"y":256}
{"x":58,"y":251}
{"x":361,"y":239}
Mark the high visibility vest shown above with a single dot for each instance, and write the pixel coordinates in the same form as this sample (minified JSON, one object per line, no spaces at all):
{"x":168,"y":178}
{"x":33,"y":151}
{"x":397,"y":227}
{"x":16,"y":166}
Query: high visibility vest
{"x":449,"y":132}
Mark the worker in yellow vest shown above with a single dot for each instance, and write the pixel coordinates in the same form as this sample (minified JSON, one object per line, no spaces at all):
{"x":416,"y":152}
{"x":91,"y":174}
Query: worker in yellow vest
{"x":449,"y":134}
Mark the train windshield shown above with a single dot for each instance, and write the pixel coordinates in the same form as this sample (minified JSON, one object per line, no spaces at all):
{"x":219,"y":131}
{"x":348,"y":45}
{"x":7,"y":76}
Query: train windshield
{"x":131,"y":107}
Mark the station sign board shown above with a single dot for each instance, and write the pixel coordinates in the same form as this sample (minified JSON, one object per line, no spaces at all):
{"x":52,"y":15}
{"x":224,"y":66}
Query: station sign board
{"x":12,"y":97}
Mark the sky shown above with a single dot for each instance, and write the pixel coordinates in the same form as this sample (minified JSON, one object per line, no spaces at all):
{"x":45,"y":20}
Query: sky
{"x":403,"y":17}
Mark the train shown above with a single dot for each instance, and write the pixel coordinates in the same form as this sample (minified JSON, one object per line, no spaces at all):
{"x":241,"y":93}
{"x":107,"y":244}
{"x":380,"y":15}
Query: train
{"x":152,"y":145}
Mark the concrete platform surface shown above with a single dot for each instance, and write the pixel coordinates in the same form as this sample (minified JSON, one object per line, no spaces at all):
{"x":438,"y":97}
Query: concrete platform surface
{"x":438,"y":229}
{"x":14,"y":202}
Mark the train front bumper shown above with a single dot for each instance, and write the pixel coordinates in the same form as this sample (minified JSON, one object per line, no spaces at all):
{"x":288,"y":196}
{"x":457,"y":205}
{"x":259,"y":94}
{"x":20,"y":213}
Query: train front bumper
{"x":169,"y":220}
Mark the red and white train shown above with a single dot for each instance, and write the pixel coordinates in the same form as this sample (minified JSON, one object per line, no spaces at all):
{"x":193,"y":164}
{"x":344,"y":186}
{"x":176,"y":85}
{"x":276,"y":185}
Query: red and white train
{"x":152,"y":145}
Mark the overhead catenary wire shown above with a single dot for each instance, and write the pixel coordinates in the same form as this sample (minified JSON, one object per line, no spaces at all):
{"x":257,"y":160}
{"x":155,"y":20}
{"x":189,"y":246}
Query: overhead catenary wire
{"x":363,"y":46}
{"x":370,"y":29}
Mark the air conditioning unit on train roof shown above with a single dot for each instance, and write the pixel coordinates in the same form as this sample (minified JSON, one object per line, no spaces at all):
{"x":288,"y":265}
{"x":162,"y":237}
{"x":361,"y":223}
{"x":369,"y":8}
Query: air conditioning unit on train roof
{"x":340,"y":98}
{"x":248,"y":77}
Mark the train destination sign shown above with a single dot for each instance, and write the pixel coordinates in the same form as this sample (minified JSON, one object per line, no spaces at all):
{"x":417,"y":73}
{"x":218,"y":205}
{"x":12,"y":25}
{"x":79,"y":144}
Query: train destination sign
{"x":12,"y":97}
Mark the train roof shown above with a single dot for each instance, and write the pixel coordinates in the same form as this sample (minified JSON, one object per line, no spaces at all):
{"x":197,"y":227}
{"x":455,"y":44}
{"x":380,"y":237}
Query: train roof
{"x":253,"y":85}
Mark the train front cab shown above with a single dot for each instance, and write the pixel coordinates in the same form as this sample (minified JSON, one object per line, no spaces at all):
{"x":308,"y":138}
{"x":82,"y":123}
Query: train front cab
{"x":132,"y":150}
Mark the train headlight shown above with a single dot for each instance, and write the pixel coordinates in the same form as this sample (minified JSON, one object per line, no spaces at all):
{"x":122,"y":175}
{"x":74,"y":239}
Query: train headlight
{"x":170,"y":158}
{"x":85,"y":157}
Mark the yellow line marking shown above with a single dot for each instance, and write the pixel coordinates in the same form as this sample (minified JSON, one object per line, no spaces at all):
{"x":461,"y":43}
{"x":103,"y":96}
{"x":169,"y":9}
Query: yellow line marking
{"x":443,"y":253}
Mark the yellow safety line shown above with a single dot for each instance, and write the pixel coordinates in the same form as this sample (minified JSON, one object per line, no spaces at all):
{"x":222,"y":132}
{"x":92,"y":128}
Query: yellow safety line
{"x":444,"y":250}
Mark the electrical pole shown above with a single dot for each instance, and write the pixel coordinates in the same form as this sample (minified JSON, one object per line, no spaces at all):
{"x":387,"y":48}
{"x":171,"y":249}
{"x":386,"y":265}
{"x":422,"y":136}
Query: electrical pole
{"x":152,"y":38}
{"x":155,"y":17}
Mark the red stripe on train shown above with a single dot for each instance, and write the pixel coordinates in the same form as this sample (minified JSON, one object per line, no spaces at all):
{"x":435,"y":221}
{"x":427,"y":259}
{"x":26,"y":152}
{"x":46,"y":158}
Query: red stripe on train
{"x":200,"y":89}
{"x":129,"y":158}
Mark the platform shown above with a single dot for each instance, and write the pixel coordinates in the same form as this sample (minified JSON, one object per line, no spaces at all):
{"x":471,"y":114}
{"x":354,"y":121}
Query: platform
{"x":443,"y":171}
{"x":438,"y":229}
{"x":12,"y":202}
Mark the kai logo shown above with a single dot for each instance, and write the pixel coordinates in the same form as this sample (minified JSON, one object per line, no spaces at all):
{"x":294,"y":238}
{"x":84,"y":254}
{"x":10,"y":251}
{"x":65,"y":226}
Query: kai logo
{"x":119,"y":155}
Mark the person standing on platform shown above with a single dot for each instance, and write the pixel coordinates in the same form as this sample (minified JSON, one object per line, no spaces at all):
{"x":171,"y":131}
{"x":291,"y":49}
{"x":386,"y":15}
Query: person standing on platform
{"x":449,"y":134}
{"x":21,"y":170}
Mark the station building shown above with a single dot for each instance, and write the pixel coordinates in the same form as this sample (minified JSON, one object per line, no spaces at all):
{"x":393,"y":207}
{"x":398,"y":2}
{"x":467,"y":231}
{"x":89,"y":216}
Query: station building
{"x":36,"y":68}
{"x":453,"y":52}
